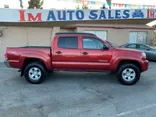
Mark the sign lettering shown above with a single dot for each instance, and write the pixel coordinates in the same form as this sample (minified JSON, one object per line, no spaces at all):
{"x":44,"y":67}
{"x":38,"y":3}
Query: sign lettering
{"x":33,"y":18}
{"x":30,"y":17}
{"x":151,"y":14}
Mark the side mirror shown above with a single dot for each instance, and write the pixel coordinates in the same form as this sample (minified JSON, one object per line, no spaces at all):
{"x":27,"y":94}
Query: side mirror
{"x":105,"y":48}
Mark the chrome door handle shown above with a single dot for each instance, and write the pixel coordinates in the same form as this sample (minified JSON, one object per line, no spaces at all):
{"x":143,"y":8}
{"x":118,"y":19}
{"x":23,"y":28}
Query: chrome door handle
{"x":58,"y":52}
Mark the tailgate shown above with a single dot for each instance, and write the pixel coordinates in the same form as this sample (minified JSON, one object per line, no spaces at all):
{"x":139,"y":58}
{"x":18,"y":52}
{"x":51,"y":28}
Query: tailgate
{"x":15,"y":56}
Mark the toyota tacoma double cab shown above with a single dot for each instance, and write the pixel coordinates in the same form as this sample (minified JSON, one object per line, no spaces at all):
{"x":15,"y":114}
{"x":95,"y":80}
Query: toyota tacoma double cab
{"x":77,"y":52}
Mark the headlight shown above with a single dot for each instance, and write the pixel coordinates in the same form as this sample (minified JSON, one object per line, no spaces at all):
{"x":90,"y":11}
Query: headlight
{"x":144,"y":54}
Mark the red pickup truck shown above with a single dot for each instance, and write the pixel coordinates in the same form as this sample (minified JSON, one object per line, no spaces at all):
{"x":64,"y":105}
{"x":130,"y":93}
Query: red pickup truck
{"x":77,"y":52}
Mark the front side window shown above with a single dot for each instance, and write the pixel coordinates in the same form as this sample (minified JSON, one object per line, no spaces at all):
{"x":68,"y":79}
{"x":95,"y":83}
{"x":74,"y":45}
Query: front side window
{"x":68,"y":42}
{"x":92,"y":43}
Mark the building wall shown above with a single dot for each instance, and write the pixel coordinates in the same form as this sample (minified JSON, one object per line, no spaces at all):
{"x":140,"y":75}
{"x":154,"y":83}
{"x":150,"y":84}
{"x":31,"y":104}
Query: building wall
{"x":66,"y":30}
{"x":119,"y":36}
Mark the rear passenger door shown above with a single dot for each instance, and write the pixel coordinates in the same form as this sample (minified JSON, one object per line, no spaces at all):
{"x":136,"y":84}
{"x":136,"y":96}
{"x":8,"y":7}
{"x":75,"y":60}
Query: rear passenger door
{"x":66,"y":53}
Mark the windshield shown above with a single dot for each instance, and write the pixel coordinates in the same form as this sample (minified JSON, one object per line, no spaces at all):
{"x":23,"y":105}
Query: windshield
{"x":112,"y":44}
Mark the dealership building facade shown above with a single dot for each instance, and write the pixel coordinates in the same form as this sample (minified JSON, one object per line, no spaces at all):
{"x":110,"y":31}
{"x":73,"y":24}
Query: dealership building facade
{"x":38,"y":27}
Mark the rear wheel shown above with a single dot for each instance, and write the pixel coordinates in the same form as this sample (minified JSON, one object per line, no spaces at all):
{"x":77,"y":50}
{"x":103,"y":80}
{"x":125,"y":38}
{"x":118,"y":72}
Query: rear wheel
{"x":34,"y":73}
{"x":128,"y":74}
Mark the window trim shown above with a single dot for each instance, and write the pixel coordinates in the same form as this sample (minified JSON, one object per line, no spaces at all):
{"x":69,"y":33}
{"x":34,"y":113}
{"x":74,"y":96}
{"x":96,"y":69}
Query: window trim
{"x":69,"y":37}
{"x":91,"y":38}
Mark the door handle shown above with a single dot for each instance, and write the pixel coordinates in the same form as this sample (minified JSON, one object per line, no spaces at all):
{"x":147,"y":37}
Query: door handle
{"x":84,"y":53}
{"x":58,"y":52}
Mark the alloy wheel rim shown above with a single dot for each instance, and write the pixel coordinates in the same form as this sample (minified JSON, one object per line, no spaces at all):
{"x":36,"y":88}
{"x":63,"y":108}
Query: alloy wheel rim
{"x":128,"y":74}
{"x":35,"y":73}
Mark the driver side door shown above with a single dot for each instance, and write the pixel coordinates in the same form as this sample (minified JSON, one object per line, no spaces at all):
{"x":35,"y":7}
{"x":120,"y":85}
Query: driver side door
{"x":93,"y":56}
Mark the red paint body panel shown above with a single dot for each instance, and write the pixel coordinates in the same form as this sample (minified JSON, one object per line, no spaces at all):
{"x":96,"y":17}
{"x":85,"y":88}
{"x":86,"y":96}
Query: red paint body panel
{"x":73,"y":59}
{"x":17,"y":56}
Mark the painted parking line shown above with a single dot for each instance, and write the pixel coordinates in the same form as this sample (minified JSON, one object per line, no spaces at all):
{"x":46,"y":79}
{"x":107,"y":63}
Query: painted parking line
{"x":131,"y":111}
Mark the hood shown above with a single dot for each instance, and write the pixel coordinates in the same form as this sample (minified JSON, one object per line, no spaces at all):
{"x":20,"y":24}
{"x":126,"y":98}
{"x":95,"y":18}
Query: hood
{"x":128,"y":50}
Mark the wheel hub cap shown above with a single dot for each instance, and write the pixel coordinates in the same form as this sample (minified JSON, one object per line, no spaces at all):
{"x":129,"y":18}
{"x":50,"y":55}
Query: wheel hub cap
{"x":34,"y":73}
{"x":128,"y":74}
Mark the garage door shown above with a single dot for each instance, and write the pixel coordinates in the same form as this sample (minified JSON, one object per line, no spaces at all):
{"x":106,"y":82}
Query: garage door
{"x":13,"y":37}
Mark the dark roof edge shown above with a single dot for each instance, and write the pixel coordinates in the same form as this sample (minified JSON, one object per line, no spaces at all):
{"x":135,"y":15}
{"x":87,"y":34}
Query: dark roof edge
{"x":64,"y":33}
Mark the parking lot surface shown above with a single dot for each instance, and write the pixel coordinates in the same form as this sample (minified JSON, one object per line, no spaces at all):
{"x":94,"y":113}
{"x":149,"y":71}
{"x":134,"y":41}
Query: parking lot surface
{"x":77,"y":94}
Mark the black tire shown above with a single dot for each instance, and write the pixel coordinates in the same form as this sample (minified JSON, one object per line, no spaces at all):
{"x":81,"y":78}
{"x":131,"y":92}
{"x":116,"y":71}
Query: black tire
{"x":112,"y":73}
{"x":40,"y":67}
{"x":132,"y":67}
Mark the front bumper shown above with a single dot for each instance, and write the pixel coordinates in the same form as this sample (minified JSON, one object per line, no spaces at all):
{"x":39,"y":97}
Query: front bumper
{"x":6,"y":62}
{"x":145,"y":65}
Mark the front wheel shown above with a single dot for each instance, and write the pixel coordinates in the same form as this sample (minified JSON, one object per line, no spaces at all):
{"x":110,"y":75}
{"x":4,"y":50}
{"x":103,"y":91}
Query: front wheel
{"x":34,"y":73}
{"x":128,"y":74}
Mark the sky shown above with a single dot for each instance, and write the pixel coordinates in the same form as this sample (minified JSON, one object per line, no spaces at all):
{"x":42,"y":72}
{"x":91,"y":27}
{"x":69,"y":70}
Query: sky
{"x":57,"y":5}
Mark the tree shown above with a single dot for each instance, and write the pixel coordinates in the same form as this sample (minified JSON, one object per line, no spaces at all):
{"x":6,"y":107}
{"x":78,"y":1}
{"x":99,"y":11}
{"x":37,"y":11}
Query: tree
{"x":35,"y":4}
{"x":103,"y":7}
{"x":84,"y":6}
{"x":78,"y":7}
{"x":109,"y":2}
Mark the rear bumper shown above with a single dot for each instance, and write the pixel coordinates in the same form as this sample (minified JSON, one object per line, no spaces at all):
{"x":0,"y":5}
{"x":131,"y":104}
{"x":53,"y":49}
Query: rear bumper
{"x":6,"y":62}
{"x":145,"y":65}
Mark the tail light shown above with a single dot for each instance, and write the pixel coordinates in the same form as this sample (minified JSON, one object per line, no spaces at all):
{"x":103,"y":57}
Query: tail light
{"x":5,"y":55}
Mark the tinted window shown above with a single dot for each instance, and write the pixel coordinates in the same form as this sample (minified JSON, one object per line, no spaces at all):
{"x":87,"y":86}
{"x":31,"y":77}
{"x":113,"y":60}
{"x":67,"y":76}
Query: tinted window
{"x":68,"y":42}
{"x":143,"y":47}
{"x":92,"y":43}
{"x":132,"y":46}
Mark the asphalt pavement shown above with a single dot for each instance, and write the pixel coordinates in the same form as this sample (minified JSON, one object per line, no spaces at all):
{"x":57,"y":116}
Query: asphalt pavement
{"x":77,"y":94}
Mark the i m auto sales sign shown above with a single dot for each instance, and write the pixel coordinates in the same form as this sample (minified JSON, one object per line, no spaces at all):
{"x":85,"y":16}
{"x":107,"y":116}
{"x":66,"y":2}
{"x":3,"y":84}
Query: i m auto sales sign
{"x":15,"y":15}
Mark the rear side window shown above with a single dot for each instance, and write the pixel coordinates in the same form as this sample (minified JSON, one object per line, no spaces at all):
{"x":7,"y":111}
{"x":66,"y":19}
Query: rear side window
{"x":68,"y":42}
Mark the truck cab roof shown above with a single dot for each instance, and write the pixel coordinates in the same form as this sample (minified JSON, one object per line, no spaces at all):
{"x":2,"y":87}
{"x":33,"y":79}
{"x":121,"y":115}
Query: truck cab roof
{"x":74,"y":33}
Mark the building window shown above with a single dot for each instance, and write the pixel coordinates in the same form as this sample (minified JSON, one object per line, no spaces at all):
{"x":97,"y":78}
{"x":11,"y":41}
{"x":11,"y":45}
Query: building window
{"x":99,"y":33}
{"x":138,"y":37}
